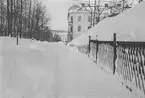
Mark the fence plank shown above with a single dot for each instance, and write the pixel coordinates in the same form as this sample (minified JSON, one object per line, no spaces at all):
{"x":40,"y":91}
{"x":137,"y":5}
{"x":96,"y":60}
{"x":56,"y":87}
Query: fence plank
{"x":96,"y":49}
{"x":89,"y":47}
{"x":114,"y":58}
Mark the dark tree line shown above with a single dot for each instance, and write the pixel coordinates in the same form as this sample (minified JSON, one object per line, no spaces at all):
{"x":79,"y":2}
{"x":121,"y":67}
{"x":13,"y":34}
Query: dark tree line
{"x":24,"y":19}
{"x":56,"y":38}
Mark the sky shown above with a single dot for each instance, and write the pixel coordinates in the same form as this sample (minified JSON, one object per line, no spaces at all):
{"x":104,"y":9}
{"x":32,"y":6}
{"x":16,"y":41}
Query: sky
{"x":58,"y":12}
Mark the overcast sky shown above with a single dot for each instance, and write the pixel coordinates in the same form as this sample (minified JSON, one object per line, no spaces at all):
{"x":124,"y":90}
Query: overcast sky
{"x":58,"y":10}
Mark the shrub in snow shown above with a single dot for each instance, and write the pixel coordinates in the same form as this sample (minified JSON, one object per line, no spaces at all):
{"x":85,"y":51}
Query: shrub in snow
{"x":80,"y":48}
{"x":83,"y":49}
{"x":72,"y":45}
{"x":56,"y":38}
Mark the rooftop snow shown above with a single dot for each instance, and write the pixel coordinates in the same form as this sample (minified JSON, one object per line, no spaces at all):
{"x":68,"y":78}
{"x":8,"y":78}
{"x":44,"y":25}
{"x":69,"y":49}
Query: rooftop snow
{"x":129,"y":25}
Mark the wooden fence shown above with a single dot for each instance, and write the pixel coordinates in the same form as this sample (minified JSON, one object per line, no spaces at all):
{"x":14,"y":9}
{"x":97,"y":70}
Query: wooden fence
{"x":124,"y":58}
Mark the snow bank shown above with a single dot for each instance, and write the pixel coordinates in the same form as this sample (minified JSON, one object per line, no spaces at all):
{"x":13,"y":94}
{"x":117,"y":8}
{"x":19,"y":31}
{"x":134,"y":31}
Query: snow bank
{"x":129,"y":25}
{"x":80,"y":44}
{"x":57,"y":73}
{"x":81,"y":40}
{"x":25,"y":72}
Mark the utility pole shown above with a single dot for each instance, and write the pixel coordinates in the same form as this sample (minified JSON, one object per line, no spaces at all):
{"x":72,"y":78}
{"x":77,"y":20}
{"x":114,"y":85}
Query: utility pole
{"x":94,"y":13}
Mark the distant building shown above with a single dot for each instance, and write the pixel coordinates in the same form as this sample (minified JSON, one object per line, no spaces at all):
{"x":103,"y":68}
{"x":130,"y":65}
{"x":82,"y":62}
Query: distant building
{"x":80,"y":20}
{"x":81,"y":17}
{"x":61,"y":33}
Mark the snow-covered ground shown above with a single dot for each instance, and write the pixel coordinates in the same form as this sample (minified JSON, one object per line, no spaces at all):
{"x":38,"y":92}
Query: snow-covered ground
{"x":52,"y":70}
{"x":81,"y":40}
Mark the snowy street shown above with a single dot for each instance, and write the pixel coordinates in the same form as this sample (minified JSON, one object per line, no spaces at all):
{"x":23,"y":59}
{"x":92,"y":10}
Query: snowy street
{"x":43,"y":70}
{"x":67,"y":49}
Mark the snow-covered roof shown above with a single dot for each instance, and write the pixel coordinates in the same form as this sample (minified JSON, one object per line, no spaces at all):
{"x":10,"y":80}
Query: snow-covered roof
{"x":77,"y":8}
{"x":129,"y":25}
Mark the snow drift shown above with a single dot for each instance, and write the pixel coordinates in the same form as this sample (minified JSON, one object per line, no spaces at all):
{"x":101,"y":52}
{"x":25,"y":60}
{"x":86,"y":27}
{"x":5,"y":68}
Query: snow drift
{"x":55,"y":72}
{"x":81,"y":40}
{"x":129,"y":25}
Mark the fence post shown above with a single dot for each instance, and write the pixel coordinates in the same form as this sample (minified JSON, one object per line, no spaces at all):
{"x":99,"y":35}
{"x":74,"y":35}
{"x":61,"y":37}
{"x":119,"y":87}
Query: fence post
{"x":89,"y":46}
{"x":96,"y":49}
{"x":114,"y":58}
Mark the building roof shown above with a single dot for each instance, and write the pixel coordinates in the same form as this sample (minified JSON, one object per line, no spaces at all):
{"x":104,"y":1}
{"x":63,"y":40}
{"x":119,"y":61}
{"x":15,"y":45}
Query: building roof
{"x":80,"y":7}
{"x":77,"y":8}
{"x":59,"y":31}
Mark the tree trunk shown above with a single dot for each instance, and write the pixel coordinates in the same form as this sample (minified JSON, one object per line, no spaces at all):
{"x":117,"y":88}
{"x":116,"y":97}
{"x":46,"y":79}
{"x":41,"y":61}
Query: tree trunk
{"x":8,"y":17}
{"x":11,"y":18}
{"x":15,"y":17}
{"x":17,"y":21}
{"x":0,"y":18}
{"x":29,"y":26}
{"x":21,"y":18}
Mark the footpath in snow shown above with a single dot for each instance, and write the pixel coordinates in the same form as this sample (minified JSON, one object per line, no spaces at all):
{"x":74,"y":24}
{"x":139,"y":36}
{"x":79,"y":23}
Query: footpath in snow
{"x":42,"y":70}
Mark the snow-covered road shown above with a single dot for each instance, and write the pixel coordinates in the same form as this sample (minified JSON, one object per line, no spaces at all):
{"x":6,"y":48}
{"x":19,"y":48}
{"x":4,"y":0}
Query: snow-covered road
{"x":42,"y":70}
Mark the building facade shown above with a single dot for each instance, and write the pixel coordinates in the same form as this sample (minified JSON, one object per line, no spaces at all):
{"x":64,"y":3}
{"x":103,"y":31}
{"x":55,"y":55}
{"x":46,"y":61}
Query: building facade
{"x":80,"y":19}
{"x":79,"y":22}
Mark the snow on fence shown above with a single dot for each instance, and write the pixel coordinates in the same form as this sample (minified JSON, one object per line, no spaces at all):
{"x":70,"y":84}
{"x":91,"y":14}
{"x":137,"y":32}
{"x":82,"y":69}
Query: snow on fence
{"x":124,"y":58}
{"x":83,"y":49}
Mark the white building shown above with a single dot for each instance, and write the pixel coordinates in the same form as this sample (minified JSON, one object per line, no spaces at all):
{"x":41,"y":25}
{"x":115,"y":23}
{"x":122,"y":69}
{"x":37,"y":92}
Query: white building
{"x":80,"y":20}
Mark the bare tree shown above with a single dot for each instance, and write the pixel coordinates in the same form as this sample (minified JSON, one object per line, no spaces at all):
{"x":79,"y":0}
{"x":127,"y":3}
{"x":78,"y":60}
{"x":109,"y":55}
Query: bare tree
{"x":24,"y":18}
{"x":8,"y":16}
{"x":21,"y":18}
{"x":96,"y":10}
{"x":29,"y":24}
{"x":1,"y":16}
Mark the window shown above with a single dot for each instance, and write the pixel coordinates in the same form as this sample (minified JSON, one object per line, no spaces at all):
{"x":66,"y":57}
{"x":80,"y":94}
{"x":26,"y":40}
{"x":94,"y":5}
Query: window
{"x":106,"y":5}
{"x":89,"y":18}
{"x":79,"y":18}
{"x":79,"y":28}
{"x":97,"y":19}
{"x":118,"y":5}
{"x":71,"y":38}
{"x":71,"y":19}
{"x":71,"y":29}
